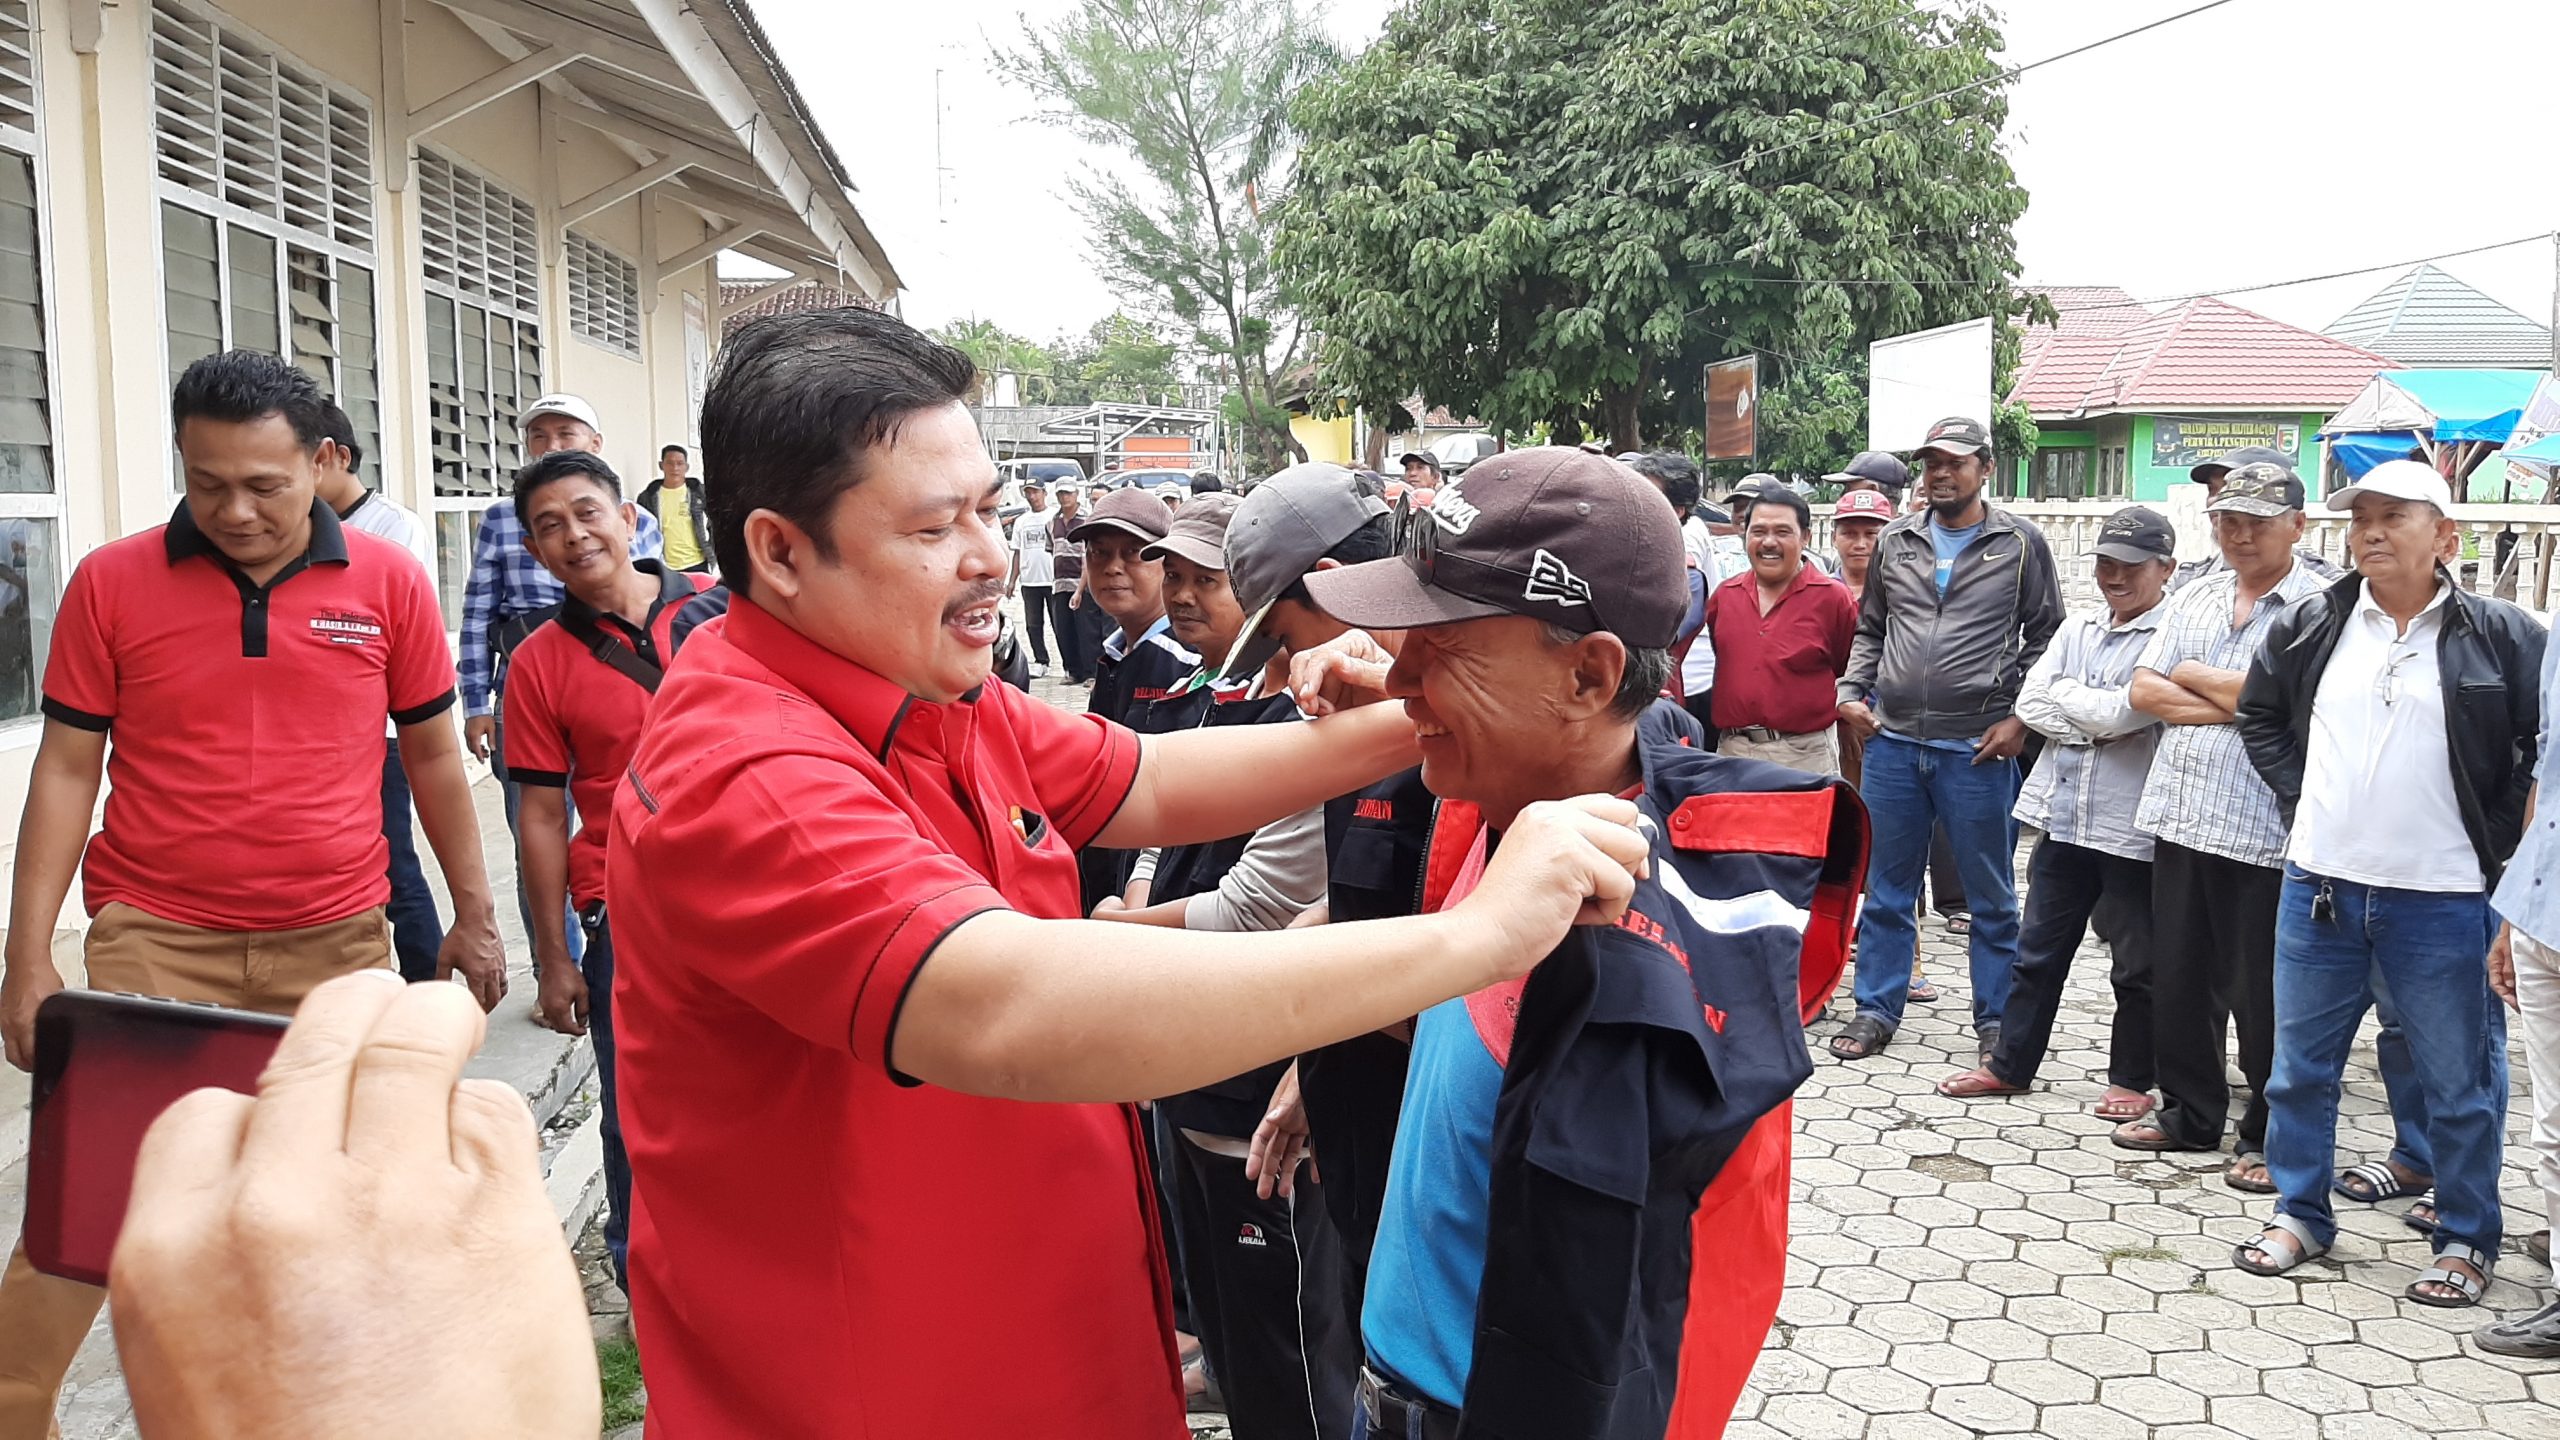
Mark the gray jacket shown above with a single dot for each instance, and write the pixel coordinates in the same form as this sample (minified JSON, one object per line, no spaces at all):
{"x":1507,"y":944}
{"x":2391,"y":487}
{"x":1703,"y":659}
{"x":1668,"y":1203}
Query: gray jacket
{"x":1949,"y":667}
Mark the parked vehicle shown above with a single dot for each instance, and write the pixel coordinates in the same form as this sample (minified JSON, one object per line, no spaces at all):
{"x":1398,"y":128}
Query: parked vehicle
{"x":1049,"y":472}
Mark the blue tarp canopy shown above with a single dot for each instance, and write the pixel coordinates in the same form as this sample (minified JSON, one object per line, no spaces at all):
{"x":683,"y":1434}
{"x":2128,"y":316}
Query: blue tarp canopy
{"x":2450,"y":407}
{"x":2360,"y":452}
{"x":2543,"y":455}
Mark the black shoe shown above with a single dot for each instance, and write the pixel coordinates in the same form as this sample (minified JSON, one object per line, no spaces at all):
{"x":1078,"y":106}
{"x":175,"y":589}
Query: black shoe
{"x":2531,"y":1337}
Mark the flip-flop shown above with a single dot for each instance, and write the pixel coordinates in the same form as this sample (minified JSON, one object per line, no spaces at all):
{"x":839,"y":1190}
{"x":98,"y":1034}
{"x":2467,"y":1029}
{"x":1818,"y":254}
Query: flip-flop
{"x":2232,"y":1177}
{"x":2128,"y":1137}
{"x":1860,"y":1038}
{"x":1924,"y":992}
{"x":2268,"y":1262}
{"x":2375,"y":1181}
{"x":2123,"y":1108}
{"x":1960,"y":923}
{"x":1977,"y":1084}
{"x":2421,"y":1217}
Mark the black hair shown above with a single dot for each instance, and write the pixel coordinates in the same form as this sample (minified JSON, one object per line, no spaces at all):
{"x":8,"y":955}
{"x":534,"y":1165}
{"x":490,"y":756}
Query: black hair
{"x":238,"y":386}
{"x":666,"y":450}
{"x":335,"y":424}
{"x":564,"y":465}
{"x":1786,"y":498}
{"x":1206,"y":484}
{"x":1676,"y":473}
{"x":1374,"y":540}
{"x":796,"y":402}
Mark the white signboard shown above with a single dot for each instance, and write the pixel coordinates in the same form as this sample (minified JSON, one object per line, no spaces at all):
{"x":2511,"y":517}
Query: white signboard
{"x":697,"y":365}
{"x":1916,"y":380}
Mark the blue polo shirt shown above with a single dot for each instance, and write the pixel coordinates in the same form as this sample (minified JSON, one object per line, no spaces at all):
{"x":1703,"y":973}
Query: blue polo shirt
{"x":1418,"y":1317}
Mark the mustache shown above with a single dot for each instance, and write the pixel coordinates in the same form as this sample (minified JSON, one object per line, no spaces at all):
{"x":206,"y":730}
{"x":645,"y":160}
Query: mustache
{"x":986,"y":592}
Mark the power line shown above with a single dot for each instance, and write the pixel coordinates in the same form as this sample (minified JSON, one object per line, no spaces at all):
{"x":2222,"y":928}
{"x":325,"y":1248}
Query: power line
{"x":2010,"y":73}
{"x":2534,"y":238}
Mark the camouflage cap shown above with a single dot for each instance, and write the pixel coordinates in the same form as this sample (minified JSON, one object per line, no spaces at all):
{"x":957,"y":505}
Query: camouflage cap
{"x":2262,"y":488}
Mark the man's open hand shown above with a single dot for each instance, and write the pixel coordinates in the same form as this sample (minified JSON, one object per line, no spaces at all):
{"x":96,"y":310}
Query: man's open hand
{"x":363,"y":1250}
{"x":1562,"y":863}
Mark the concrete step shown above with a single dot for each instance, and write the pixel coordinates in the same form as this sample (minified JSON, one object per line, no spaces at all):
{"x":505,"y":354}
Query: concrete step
{"x":554,"y":1072}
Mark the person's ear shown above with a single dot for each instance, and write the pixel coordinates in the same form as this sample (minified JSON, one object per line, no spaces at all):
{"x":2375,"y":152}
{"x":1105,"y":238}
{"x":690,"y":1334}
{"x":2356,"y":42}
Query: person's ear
{"x":780,"y":554}
{"x":1599,"y":662}
{"x":630,"y":517}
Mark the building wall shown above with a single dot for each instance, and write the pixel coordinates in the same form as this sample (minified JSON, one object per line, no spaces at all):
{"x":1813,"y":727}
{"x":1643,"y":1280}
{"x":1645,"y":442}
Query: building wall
{"x":1326,"y":439}
{"x":99,"y":201}
{"x":2152,"y":482}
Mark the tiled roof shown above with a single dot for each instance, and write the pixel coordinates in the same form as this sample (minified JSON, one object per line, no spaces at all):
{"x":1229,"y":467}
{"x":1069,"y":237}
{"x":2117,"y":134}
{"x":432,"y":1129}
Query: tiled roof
{"x":2429,"y":320}
{"x":2089,"y":310}
{"x":807,"y":295}
{"x":2206,"y":354}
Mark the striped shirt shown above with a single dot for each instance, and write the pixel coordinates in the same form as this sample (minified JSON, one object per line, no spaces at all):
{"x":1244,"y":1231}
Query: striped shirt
{"x":2087,"y":787}
{"x":2203,"y":793}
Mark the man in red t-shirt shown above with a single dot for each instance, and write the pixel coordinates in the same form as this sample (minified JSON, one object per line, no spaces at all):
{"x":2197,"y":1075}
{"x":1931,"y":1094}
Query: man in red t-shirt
{"x":577,"y":694}
{"x":843,"y":886}
{"x":1781,"y":632}
{"x":243,"y":657}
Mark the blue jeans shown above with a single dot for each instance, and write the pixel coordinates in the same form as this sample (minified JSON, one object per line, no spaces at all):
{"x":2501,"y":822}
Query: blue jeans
{"x":513,"y":795}
{"x":1910,"y":788}
{"x":417,"y":932}
{"x":2428,"y":952}
{"x":597,"y":966}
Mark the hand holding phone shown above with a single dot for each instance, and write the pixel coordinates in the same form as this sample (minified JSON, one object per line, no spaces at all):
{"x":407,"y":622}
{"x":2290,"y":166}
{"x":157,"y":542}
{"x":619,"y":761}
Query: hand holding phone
{"x":364,"y":1244}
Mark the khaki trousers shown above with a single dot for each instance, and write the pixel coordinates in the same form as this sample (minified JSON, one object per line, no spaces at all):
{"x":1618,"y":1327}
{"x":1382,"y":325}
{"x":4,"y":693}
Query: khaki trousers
{"x":43,"y":1319}
{"x":1817,"y":753}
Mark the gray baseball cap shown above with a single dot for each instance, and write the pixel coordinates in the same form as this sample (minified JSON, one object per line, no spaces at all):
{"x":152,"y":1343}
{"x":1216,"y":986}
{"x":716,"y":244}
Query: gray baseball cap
{"x":1287,"y":524}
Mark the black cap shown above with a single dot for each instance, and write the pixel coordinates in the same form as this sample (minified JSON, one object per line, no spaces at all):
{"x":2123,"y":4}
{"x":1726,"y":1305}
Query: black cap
{"x":1879,"y":466}
{"x":2230,"y":460}
{"x":1957,"y":436}
{"x":1557,"y":534}
{"x":1751,"y":487}
{"x":2137,"y":533}
{"x":2262,"y":488}
{"x":1425,"y":456}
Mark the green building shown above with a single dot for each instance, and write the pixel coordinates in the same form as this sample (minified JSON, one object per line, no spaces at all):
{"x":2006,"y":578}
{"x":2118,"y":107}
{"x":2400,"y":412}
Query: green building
{"x":2127,"y":400}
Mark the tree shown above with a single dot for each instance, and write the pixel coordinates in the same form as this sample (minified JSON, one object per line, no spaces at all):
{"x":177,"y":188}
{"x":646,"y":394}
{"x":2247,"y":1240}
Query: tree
{"x":1559,"y":211}
{"x":998,"y":351}
{"x":1192,"y":99}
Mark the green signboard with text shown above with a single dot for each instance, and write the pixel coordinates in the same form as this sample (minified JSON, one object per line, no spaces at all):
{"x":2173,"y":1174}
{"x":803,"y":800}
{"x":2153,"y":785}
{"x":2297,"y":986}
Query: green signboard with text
{"x":2184,"y":444}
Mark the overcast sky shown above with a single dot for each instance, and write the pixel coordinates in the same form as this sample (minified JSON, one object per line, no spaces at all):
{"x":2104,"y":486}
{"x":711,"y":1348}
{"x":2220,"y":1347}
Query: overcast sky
{"x":2266,"y":140}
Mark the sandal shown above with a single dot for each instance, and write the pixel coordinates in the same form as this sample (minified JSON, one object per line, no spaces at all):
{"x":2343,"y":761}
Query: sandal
{"x":1960,"y":923}
{"x":2376,"y":1181}
{"x":2238,"y":1178}
{"x":1860,"y":1038}
{"x":2146,"y":1135}
{"x":2467,"y":1288}
{"x":2421,"y":1217}
{"x":1977,"y":1084}
{"x":1924,"y":991}
{"x":2263,"y":1257}
{"x":2120,"y":1104}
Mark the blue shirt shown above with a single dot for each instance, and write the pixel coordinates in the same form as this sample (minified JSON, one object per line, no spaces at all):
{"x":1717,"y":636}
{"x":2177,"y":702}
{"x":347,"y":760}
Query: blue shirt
{"x":506,"y":581}
{"x":2526,"y":895}
{"x":1950,"y":544}
{"x":1418,"y":1317}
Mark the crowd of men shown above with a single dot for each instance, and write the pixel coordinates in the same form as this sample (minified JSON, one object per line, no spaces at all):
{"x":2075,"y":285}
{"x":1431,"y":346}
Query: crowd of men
{"x":1374,"y":1014}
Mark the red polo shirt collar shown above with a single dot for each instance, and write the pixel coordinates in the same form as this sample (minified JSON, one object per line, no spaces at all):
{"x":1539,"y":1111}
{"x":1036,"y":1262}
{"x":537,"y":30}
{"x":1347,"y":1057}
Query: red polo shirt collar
{"x":870,"y":708}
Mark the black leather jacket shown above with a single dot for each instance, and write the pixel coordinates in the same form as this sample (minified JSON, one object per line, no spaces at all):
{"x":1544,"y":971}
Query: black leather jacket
{"x":2490,"y":656}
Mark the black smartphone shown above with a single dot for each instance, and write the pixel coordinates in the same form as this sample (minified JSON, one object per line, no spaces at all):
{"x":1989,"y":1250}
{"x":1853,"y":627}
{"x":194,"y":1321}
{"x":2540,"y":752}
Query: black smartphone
{"x":106,"y":1066}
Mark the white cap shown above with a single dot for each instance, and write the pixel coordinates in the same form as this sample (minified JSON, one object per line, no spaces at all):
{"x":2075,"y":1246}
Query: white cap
{"x":561,"y":404}
{"x":2400,"y":480}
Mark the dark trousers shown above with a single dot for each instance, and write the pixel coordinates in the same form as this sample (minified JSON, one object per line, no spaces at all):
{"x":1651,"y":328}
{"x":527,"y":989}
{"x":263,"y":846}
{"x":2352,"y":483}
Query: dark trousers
{"x":2065,"y":886}
{"x":1266,"y":1293}
{"x":2213,"y":967}
{"x":1035,"y":619}
{"x":1092,"y":628}
{"x":1071,"y":651}
{"x":417,"y":932}
{"x":597,"y":966}
{"x":512,"y":794}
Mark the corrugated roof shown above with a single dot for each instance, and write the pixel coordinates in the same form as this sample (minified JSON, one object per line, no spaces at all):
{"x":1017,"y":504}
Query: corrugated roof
{"x":2427,"y":319}
{"x":2206,"y":354}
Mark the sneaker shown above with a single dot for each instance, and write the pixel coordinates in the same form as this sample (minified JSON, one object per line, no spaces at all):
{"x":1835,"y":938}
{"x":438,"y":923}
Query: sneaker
{"x":2531,"y":1337}
{"x":1039,"y":672}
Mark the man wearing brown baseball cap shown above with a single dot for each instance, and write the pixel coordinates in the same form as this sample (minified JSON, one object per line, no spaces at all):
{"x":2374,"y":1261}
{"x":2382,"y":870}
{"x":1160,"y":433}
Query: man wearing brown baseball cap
{"x":1651,"y":1064}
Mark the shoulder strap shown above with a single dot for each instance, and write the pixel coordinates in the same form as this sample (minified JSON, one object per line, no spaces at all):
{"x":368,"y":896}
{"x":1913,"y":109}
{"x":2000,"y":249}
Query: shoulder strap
{"x":624,"y":660}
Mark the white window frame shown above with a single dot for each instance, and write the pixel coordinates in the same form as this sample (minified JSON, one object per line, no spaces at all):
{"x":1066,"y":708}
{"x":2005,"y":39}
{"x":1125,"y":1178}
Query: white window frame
{"x":229,"y":217}
{"x":27,"y":141}
{"x":475,"y":286}
{"x":604,"y":297}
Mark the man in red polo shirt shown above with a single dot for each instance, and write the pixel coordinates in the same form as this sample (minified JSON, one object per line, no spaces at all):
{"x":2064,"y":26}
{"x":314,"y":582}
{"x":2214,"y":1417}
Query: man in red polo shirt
{"x":1781,"y":632}
{"x":848,"y":1218}
{"x":577,"y":693}
{"x":243,"y":657}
